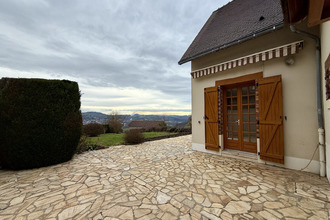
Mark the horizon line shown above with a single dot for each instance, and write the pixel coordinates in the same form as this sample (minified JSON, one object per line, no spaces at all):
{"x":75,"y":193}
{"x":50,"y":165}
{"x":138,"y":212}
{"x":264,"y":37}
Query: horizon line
{"x":145,"y":113}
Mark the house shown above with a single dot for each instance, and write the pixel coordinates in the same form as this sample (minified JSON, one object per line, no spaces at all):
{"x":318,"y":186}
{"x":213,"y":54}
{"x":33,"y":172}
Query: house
{"x":256,"y":91}
{"x":148,"y":125}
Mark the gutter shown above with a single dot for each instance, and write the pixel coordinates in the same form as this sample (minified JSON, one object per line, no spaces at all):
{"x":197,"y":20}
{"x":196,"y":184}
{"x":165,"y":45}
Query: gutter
{"x":319,"y":95}
{"x":240,"y":40}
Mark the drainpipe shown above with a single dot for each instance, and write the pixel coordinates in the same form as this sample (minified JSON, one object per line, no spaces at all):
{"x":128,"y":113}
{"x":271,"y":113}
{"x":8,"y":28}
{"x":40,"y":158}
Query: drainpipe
{"x":319,"y":96}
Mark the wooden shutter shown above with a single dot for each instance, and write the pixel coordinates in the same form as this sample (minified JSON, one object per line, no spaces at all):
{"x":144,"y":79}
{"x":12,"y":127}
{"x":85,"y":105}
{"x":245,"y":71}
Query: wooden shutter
{"x":271,"y":119}
{"x":211,"y":118}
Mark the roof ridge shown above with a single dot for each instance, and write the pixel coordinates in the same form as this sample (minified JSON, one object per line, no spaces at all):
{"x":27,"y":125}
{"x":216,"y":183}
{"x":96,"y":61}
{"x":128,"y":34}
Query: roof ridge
{"x":233,"y":23}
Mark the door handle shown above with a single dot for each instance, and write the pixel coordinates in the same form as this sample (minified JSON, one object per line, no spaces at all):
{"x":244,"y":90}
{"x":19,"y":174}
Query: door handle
{"x":237,"y":121}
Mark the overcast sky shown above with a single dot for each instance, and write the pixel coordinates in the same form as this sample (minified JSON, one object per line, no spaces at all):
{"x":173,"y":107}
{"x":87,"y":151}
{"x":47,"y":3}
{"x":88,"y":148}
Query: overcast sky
{"x":123,"y":53}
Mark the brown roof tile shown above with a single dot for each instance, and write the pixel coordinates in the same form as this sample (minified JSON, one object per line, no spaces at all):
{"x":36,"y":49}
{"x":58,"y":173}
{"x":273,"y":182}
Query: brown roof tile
{"x":234,"y":23}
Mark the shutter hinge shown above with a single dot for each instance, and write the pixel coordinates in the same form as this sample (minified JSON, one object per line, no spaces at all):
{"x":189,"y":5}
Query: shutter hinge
{"x":257,"y":122}
{"x":257,"y":84}
{"x":219,"y":147}
{"x":219,"y":121}
{"x":259,"y":153}
{"x":218,"y":89}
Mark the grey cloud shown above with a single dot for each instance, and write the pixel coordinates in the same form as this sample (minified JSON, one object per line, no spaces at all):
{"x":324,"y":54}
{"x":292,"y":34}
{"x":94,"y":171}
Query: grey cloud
{"x":108,"y":43}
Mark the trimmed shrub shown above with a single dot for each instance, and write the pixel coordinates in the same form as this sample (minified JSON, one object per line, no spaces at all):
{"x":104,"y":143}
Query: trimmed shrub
{"x":93,"y":129}
{"x":115,"y":127}
{"x":133,"y":136}
{"x":40,"y":122}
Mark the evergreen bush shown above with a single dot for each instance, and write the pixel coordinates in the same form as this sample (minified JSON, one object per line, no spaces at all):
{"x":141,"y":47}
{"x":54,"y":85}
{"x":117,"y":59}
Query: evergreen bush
{"x":40,"y":122}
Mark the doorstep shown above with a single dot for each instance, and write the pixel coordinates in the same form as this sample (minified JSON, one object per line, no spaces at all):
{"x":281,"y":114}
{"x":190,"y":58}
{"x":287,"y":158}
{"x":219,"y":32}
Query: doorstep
{"x":241,"y":155}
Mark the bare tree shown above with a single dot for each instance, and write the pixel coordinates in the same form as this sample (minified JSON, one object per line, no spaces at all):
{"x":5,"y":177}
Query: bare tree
{"x":115,"y":123}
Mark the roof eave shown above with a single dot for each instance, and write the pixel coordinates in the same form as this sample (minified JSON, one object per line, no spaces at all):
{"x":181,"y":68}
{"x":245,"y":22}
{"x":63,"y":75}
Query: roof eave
{"x":241,"y":40}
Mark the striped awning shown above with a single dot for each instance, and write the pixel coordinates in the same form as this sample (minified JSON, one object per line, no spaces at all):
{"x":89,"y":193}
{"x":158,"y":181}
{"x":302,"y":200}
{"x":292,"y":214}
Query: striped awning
{"x":281,"y":51}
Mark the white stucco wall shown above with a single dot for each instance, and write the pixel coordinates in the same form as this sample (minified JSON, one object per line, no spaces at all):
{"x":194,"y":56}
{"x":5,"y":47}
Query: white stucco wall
{"x":325,"y":42}
{"x":299,"y":92}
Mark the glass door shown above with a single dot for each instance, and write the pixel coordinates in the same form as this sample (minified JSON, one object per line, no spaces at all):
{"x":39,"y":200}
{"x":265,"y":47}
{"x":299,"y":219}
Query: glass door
{"x":240,"y":118}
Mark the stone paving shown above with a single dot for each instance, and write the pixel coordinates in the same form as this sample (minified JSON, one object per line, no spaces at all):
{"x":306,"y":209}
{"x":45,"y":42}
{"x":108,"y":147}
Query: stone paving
{"x":162,"y":179}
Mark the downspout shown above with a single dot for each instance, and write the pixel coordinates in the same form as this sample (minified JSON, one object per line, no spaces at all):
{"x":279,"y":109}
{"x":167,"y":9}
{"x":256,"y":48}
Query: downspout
{"x":319,"y":96}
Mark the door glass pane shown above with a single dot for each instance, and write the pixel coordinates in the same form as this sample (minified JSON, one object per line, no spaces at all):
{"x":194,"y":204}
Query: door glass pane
{"x":230,"y":127}
{"x":228,"y":101}
{"x":246,"y":137}
{"x":252,"y":128}
{"x":252,"y":99}
{"x":235,"y":127}
{"x":228,"y":118}
{"x":245,"y":90}
{"x":252,"y":109}
{"x":235,"y":109}
{"x":245,"y":118}
{"x":228,"y":93}
{"x":234,"y":118}
{"x":235,"y":136}
{"x":228,"y":109}
{"x":252,"y":89}
{"x":253,"y":138}
{"x":229,"y":136}
{"x":234,"y":101}
{"x":245,"y":109}
{"x":234,"y":92}
{"x":245,"y":127}
{"x":253,"y":118}
{"x":244,"y":99}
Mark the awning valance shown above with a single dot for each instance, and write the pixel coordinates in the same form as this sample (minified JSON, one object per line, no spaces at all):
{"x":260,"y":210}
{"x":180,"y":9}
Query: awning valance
{"x":265,"y":55}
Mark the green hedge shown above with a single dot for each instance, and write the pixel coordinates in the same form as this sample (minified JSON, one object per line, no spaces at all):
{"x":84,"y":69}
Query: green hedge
{"x":40,"y":122}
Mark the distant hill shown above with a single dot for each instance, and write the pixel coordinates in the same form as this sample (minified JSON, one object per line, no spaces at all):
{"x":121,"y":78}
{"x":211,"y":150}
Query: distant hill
{"x":89,"y":117}
{"x":171,"y":120}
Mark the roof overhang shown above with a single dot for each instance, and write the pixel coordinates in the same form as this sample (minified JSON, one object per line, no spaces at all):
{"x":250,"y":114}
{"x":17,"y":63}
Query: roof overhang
{"x":316,"y":11}
{"x":282,"y":51}
{"x":241,"y":40}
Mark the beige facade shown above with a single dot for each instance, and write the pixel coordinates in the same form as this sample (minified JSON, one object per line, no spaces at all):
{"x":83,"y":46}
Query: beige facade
{"x":299,"y":92}
{"x":325,"y":42}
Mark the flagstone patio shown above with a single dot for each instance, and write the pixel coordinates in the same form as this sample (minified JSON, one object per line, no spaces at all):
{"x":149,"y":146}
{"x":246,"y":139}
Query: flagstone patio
{"x":162,"y":179}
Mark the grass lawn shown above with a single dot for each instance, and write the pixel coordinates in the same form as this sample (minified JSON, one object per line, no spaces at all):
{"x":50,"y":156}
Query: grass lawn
{"x":156,"y":134}
{"x":107,"y":139}
{"x":117,"y":139}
